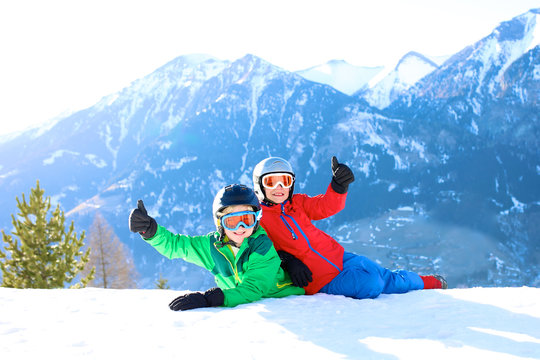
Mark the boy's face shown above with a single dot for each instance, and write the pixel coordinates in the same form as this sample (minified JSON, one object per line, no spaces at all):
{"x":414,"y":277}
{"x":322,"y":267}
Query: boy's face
{"x":277,"y":195}
{"x":241,"y":233}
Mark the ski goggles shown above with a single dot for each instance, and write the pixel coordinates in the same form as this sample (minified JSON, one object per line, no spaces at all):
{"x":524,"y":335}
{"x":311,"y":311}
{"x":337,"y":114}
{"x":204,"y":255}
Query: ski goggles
{"x":247,"y":219}
{"x":271,"y":181}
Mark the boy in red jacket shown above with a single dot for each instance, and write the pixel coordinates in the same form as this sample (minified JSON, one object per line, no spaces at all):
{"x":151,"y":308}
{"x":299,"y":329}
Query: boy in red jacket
{"x":314,"y":259}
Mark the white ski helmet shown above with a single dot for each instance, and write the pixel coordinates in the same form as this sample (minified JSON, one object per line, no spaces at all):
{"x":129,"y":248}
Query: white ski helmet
{"x":268,"y":166}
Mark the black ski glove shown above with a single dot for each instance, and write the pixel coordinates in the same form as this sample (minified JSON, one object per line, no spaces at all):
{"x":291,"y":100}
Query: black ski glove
{"x":300,"y":274}
{"x":212,"y":297}
{"x":342,"y":177}
{"x":140,"y":222}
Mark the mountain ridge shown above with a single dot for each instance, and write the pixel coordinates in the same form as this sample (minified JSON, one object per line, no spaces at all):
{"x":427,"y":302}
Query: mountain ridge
{"x":174,"y":137}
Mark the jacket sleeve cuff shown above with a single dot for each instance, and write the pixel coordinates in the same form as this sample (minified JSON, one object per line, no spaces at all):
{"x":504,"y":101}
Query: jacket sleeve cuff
{"x":214,"y":297}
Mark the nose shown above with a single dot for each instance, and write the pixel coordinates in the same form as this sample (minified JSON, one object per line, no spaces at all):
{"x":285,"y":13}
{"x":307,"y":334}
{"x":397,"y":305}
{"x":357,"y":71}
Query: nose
{"x":241,"y":229}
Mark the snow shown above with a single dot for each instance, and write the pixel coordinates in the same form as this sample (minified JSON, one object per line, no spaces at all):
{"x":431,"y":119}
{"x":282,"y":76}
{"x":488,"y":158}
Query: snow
{"x":474,"y":127}
{"x":409,"y":70}
{"x":177,"y":165}
{"x":361,"y":123}
{"x":405,"y":208}
{"x":96,"y":161}
{"x":413,"y":68}
{"x":476,"y":323}
{"x":533,"y":20}
{"x":58,"y":154}
{"x":341,"y":75}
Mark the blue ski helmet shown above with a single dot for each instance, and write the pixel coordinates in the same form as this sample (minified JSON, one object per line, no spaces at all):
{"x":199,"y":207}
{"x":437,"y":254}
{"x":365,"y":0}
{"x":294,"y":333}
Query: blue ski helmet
{"x":235,"y":194}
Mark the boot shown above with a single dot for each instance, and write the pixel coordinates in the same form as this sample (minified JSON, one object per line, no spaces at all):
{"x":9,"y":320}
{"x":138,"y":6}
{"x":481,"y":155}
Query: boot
{"x":434,"y":282}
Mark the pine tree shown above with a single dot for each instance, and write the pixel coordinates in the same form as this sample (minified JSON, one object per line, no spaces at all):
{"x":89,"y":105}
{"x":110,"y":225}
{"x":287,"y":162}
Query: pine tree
{"x":112,"y":261}
{"x":40,"y":253}
{"x":161,"y":283}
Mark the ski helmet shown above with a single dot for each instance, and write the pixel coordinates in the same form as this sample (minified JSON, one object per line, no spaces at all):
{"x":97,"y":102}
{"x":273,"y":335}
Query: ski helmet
{"x":235,"y":194}
{"x":268,"y":166}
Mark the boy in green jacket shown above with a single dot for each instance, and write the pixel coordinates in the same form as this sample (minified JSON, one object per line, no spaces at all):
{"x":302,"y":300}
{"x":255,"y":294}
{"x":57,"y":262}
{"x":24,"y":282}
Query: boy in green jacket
{"x":242,"y":258}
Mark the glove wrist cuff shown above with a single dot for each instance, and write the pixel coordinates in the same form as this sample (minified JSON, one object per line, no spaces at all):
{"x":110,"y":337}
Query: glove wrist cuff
{"x":152,"y":229}
{"x":284,"y":257}
{"x":337,"y":187}
{"x":214,"y":297}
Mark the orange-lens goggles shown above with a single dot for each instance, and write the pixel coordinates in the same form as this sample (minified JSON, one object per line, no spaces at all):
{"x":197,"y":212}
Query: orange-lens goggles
{"x":271,"y":181}
{"x":233,"y":221}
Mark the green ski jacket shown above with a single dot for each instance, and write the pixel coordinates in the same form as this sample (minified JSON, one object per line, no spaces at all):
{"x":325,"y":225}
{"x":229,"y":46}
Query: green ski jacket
{"x":252,"y":274}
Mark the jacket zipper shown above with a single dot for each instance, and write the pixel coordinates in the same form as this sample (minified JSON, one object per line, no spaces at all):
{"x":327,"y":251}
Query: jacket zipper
{"x":303,"y":234}
{"x":233,"y":267}
{"x":288,"y":227}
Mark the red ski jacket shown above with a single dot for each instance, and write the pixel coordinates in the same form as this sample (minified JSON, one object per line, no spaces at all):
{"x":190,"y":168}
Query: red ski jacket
{"x":290,"y":228}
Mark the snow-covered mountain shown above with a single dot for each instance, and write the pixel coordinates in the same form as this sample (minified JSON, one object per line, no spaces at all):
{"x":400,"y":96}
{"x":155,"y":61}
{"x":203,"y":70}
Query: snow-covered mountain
{"x":482,"y":106}
{"x":447,"y":181}
{"x":341,"y":75}
{"x":387,"y":87}
{"x":502,"y":67}
{"x":173,"y":139}
{"x":379,"y":85}
{"x":478,"y":323}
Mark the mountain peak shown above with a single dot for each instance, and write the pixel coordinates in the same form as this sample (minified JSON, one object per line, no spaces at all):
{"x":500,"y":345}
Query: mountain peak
{"x":252,"y":59}
{"x":195,"y":59}
{"x":520,"y":27}
{"x":413,"y":55}
{"x":341,"y":75}
{"x":389,"y":85}
{"x":478,"y":69}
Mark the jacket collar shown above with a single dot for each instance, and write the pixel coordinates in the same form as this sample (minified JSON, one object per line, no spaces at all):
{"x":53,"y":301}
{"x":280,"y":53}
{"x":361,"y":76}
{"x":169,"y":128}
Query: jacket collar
{"x":275,"y":207}
{"x":245,"y":244}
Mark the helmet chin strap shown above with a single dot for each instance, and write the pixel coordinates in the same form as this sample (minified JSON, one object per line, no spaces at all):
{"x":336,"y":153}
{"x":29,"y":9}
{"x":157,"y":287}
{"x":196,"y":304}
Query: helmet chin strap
{"x":266,"y":200}
{"x":219,"y":242}
{"x":269,"y":202}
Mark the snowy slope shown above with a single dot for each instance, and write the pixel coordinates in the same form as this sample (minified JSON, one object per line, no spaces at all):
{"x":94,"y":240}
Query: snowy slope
{"x":477,"y":323}
{"x":341,"y":75}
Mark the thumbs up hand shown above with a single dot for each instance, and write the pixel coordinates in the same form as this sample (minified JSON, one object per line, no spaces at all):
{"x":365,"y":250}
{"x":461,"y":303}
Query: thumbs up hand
{"x":342,"y":176}
{"x":140,"y":222}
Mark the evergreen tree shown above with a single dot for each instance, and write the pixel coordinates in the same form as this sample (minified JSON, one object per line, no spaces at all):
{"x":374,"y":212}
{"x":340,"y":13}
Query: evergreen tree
{"x":40,"y":253}
{"x":161,"y":283}
{"x":112,"y":261}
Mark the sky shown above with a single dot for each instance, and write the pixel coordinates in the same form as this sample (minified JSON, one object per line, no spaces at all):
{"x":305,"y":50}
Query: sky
{"x":475,"y":323}
{"x":59,"y":56}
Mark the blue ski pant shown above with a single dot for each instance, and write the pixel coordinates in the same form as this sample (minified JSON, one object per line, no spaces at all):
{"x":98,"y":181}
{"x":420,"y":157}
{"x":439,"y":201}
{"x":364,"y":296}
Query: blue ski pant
{"x":362,"y":278}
